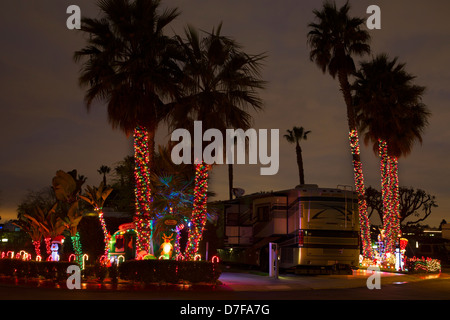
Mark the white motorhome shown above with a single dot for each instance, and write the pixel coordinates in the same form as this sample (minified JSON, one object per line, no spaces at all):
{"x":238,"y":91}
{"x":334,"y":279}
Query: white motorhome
{"x":315,"y":228}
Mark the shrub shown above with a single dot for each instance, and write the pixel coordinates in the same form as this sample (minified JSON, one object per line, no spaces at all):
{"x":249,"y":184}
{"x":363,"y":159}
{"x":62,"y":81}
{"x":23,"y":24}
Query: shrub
{"x":169,"y":271}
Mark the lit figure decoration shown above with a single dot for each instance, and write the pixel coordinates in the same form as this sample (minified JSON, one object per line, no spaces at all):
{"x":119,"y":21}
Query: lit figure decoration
{"x":166,"y":247}
{"x":56,"y":243}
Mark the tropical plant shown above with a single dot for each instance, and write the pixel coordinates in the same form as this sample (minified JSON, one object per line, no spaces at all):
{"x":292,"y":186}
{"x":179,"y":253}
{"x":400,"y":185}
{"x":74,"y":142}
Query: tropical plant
{"x":296,"y":135}
{"x":33,"y":230}
{"x":96,"y":197}
{"x":392,"y":117}
{"x":48,"y":223}
{"x":334,"y":40}
{"x":220,"y":83}
{"x":129,"y":64}
{"x":71,"y":221}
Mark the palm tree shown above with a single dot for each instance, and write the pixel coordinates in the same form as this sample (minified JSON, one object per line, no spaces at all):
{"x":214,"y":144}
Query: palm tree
{"x":392,"y":116}
{"x":96,"y":197}
{"x":334,"y":40}
{"x":220,"y":83}
{"x":48,"y":223}
{"x":104,"y":170}
{"x":71,"y":221}
{"x":296,"y":135}
{"x":33,"y":230}
{"x":128,"y":63}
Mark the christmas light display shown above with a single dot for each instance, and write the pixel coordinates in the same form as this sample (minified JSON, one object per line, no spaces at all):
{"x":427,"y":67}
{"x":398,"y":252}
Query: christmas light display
{"x":389,"y":186}
{"x":37,"y":247}
{"x":48,"y":245}
{"x":362,"y":204}
{"x":198,"y":219}
{"x":142,"y":190}
{"x":106,"y":235}
{"x":76,"y":244}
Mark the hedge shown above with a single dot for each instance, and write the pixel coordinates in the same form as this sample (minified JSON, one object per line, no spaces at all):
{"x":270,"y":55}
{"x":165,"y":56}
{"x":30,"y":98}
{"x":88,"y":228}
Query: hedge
{"x":56,"y":270}
{"x":146,"y":271}
{"x":169,"y":271}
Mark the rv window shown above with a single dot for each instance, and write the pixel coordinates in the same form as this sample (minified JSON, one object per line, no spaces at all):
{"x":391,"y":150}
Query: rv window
{"x":232,"y":219}
{"x":262,"y":214}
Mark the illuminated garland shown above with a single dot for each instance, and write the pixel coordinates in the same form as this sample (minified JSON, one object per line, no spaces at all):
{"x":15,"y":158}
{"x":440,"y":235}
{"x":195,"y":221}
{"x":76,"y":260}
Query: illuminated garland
{"x":48,"y":245}
{"x":76,"y":244}
{"x":198,"y":219}
{"x":37,"y":247}
{"x":389,"y":184}
{"x":142,"y":189}
{"x":362,"y":204}
{"x":106,"y":235}
{"x":427,"y":265}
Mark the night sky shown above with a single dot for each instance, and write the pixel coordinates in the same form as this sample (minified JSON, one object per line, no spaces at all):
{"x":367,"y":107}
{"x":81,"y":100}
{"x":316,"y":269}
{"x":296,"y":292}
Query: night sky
{"x":45,"y":126}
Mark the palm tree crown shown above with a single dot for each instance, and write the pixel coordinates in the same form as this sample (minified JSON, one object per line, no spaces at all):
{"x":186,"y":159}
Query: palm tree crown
{"x":389,"y":106}
{"x":296,"y":135}
{"x":128,"y":61}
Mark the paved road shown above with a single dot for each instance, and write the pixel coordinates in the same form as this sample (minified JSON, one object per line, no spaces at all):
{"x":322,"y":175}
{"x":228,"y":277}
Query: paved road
{"x":242,"y":286}
{"x":327,"y":296}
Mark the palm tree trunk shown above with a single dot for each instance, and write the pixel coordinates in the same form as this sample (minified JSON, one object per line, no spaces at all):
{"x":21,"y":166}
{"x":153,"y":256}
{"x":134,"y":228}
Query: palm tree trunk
{"x":198,"y":219}
{"x":390,"y":195}
{"x":301,"y":172}
{"x":357,"y":167}
{"x":142,"y":189}
{"x":76,"y":244}
{"x":37,"y":247}
{"x":392,"y":225}
{"x":106,"y":235}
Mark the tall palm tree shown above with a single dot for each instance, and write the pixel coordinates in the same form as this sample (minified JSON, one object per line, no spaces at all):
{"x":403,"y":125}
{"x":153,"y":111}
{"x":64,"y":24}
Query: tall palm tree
{"x":128,"y":63}
{"x":392,"y":116}
{"x":334,"y":40}
{"x":104,"y":170}
{"x":296,"y":135}
{"x":220,"y":84}
{"x":96,"y":197}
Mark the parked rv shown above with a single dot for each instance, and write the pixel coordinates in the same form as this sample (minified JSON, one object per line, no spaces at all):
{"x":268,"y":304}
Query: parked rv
{"x":316,"y":229}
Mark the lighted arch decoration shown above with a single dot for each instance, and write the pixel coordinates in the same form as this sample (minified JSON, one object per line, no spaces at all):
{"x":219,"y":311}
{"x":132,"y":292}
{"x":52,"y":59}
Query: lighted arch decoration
{"x":215,"y":259}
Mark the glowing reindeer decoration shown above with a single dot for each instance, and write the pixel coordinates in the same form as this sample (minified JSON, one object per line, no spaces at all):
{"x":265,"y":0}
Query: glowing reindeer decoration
{"x":166,"y":247}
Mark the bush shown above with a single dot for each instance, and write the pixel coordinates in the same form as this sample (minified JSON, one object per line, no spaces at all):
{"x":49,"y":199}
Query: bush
{"x":56,"y":270}
{"x":169,"y":271}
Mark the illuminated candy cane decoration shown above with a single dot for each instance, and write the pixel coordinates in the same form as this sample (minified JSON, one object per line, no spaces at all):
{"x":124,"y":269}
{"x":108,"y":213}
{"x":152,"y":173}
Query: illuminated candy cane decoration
{"x":118,"y":259}
{"x":49,"y":258}
{"x":215,"y":259}
{"x":72,"y":257}
{"x":197,"y":257}
{"x":38,"y":258}
{"x":104,"y":259}
{"x":85,"y":257}
{"x":12,"y":254}
{"x":179,"y":257}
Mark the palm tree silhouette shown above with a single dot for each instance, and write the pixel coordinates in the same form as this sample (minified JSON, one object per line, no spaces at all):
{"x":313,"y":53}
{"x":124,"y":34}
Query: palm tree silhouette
{"x":296,"y":135}
{"x":220,"y":83}
{"x":104,"y":170}
{"x":392,"y":117}
{"x":128,"y":63}
{"x":334,"y":40}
